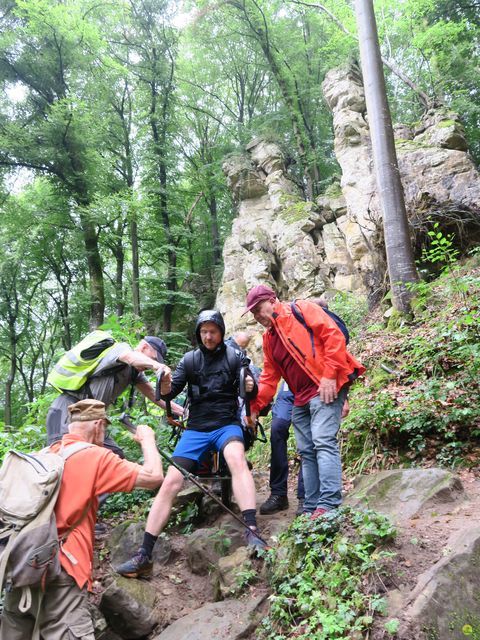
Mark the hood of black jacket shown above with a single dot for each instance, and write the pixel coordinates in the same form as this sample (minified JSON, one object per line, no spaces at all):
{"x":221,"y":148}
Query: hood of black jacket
{"x":209,"y":315}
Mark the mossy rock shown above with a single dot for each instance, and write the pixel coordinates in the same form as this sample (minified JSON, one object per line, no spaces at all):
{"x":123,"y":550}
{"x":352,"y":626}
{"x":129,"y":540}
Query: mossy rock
{"x":404,"y":493}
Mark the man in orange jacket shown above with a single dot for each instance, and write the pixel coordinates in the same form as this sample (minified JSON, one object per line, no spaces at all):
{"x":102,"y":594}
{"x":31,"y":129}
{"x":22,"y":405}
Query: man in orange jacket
{"x":308,"y":350}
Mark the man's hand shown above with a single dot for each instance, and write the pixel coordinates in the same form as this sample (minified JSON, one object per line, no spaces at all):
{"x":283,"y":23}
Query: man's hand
{"x":144,"y":433}
{"x":249,"y":384}
{"x":166,"y":385}
{"x":345,"y":409}
{"x":251,"y":420}
{"x":327,"y":390}
{"x":177,"y":409}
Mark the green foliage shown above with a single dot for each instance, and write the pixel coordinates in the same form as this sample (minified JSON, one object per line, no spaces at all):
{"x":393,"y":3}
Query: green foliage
{"x":137,"y":504}
{"x":115,"y":120}
{"x":352,"y":308}
{"x":244,"y":577}
{"x":428,"y":410}
{"x":440,"y":249}
{"x":27,"y":438}
{"x":321,"y":573}
{"x":185,"y":519}
{"x":392,"y":626}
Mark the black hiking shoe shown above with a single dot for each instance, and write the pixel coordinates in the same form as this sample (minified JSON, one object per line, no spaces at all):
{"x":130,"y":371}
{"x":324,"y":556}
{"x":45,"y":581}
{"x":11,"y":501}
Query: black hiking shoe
{"x":140,"y":566}
{"x":274,"y":504}
{"x":252,"y":540}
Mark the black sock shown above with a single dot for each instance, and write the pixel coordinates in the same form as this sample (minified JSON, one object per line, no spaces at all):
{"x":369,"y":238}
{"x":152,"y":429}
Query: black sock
{"x":249,"y":516}
{"x":148,"y":543}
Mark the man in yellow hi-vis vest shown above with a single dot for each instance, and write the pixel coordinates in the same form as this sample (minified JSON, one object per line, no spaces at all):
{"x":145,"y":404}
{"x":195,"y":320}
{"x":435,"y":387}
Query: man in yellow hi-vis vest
{"x":120,"y":367}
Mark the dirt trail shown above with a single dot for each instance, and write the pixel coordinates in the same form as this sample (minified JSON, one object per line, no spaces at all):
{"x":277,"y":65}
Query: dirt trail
{"x":421,"y":541}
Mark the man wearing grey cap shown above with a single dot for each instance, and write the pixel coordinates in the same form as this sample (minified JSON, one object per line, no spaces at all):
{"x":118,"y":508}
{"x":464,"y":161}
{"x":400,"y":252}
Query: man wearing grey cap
{"x":59,"y":610}
{"x":120,"y":367}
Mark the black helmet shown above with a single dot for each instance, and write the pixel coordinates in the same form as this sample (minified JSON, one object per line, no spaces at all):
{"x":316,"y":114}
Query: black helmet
{"x":209,"y":315}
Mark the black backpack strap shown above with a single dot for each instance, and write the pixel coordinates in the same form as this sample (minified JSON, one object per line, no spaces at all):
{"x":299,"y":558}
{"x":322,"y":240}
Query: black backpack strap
{"x":298,"y":315}
{"x":233,"y":360}
{"x":193,"y":365}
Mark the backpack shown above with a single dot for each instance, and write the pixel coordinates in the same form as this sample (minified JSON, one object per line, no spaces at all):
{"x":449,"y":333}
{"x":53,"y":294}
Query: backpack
{"x":29,"y":543}
{"x":75,"y":366}
{"x":340,"y":323}
{"x":193,"y":365}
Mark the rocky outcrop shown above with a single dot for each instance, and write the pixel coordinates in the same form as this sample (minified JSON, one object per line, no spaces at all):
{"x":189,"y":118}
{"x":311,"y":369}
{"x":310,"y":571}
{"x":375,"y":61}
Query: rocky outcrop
{"x":206,"y":546}
{"x":438,"y":540}
{"x":404,"y":493}
{"x":227,"y":620}
{"x":233,"y":573}
{"x":128,"y":607}
{"x":445,"y":602}
{"x":303,"y":248}
{"x":127,"y":537}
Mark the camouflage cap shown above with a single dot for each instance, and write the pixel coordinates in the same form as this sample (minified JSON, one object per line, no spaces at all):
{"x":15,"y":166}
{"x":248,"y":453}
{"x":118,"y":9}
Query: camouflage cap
{"x":86,"y":410}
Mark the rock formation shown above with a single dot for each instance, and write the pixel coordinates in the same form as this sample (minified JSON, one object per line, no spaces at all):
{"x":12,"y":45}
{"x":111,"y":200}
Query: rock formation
{"x":304,"y":248}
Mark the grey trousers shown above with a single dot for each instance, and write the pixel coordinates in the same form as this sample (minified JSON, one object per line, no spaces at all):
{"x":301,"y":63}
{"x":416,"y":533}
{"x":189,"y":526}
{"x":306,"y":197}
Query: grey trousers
{"x":64,"y":613}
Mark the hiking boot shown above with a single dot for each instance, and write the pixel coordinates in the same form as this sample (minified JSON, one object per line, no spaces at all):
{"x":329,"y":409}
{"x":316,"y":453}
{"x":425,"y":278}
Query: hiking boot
{"x":300,"y":510}
{"x":319,"y":511}
{"x":140,"y":566}
{"x":252,"y":540}
{"x":274,"y":504}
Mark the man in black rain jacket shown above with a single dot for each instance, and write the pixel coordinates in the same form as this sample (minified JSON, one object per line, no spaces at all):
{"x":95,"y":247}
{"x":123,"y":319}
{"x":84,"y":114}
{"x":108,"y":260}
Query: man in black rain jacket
{"x":212,"y":373}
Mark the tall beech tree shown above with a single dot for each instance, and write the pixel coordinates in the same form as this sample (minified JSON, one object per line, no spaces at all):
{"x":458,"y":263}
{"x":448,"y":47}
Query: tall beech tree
{"x":400,"y":260}
{"x":49,"y":50}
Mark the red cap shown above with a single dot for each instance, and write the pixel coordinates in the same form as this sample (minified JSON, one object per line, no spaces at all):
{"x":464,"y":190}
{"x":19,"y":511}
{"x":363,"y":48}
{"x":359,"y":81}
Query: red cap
{"x":256,"y":295}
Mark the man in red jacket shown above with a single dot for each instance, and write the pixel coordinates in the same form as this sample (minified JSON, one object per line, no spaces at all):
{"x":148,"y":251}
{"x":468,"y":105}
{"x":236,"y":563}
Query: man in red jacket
{"x":311,"y":355}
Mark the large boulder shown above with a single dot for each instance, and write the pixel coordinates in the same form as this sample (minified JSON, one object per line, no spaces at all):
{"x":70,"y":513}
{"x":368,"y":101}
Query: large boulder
{"x":128,"y":607}
{"x":445,"y":603}
{"x":304,"y":248}
{"x":100,"y":626}
{"x":233,"y":573}
{"x":227,"y":620}
{"x":204,"y":547}
{"x":404,"y":493}
{"x":126,"y":538}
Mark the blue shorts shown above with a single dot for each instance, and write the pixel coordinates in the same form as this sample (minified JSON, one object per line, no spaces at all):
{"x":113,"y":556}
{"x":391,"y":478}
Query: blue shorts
{"x":193,"y":444}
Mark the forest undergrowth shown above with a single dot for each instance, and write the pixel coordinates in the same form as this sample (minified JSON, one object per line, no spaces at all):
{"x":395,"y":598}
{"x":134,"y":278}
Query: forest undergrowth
{"x":416,"y":406}
{"x":417,"y":403}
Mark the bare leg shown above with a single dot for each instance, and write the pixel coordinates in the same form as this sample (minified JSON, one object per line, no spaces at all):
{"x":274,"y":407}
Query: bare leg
{"x":162,"y":505}
{"x":242,"y":480}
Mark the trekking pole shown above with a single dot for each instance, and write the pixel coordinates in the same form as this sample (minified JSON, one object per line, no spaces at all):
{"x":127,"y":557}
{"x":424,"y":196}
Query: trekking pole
{"x":125,"y":419}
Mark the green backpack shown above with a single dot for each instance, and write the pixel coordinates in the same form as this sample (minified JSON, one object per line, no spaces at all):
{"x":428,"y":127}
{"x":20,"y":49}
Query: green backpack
{"x":75,"y":366}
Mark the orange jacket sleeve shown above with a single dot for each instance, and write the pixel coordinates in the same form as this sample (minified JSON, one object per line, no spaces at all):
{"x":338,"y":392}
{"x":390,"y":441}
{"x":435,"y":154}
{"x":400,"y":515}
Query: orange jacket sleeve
{"x":325,"y":328}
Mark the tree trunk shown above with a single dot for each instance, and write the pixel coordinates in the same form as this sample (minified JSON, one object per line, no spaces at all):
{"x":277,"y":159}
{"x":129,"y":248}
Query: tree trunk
{"x":119,"y":253}
{"x":9,"y":385}
{"x":401,"y":264}
{"x":95,"y":272}
{"x":217,"y":252}
{"x":135,"y":265}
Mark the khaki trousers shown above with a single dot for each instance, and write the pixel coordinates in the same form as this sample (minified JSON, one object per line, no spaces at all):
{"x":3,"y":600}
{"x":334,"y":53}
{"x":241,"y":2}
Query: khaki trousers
{"x":64,"y":614}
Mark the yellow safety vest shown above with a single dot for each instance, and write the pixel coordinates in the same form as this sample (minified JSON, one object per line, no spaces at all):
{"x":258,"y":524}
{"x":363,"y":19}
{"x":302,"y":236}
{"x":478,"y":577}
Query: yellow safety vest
{"x":74,"y":367}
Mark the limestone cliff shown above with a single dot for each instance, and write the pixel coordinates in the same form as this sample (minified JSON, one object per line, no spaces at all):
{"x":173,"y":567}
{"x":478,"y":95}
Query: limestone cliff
{"x":304,"y":248}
